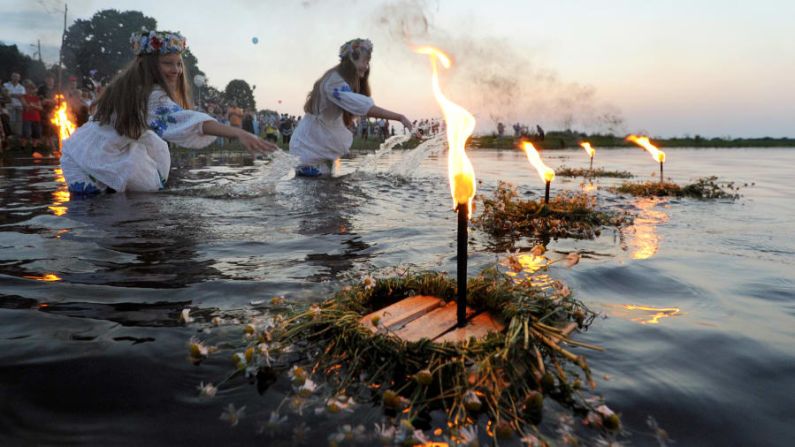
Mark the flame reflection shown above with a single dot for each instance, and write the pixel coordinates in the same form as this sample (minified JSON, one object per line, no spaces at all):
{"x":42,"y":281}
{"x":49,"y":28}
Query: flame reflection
{"x":646,"y":241}
{"x":655,"y":314}
{"x":60,"y":196}
{"x":525,"y":267}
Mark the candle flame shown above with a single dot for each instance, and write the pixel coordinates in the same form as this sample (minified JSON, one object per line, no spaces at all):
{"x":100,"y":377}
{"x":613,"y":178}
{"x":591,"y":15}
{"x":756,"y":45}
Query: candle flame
{"x":60,"y":117}
{"x":47,"y":277}
{"x":460,"y":125}
{"x":644,"y":142}
{"x":546,"y":173}
{"x":588,"y":149}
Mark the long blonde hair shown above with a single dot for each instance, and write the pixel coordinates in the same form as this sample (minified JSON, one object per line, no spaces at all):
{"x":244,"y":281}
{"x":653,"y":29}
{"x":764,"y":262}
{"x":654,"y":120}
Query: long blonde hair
{"x":347,"y":70}
{"x":123,"y":102}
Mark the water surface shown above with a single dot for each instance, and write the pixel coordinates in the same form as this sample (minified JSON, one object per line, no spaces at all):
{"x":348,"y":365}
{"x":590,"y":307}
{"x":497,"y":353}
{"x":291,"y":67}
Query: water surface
{"x":698,"y":297}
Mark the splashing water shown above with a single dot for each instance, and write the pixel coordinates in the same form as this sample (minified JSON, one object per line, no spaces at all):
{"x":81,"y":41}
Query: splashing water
{"x":411,"y":161}
{"x":370,"y":161}
{"x":261,"y":181}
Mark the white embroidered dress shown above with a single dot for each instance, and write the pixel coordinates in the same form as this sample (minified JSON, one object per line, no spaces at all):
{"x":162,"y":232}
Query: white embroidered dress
{"x":322,"y":137}
{"x":96,"y":157}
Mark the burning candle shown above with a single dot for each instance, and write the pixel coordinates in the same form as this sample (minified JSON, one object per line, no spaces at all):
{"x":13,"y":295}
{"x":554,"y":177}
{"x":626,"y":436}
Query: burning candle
{"x":655,"y":153}
{"x":460,"y":124}
{"x":546,"y":173}
{"x":590,"y":151}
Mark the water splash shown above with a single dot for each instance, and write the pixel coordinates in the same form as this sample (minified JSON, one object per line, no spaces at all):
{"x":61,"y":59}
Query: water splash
{"x":370,"y":161}
{"x":406,"y":166}
{"x":257,"y":182}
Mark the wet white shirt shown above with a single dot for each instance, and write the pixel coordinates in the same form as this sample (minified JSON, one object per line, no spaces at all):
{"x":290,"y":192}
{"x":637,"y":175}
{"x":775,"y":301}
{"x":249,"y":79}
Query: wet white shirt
{"x":96,"y":157}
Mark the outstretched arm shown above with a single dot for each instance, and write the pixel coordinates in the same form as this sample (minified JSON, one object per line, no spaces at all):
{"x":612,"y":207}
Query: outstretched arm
{"x":251,"y":142}
{"x":378,"y":112}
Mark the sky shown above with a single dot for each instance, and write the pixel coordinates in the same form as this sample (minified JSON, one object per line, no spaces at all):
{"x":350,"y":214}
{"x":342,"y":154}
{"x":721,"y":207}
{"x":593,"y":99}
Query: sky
{"x":665,"y":68}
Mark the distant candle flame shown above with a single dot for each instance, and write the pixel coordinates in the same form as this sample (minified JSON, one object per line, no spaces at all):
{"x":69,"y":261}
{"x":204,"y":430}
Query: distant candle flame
{"x":644,"y":142}
{"x":60,"y":118}
{"x":588,"y":149}
{"x":460,"y":125}
{"x":546,"y":173}
{"x":47,"y":277}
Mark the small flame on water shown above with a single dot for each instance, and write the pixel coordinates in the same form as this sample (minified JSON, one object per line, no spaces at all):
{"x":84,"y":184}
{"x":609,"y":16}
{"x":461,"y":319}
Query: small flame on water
{"x":546,"y":173}
{"x":588,"y":149}
{"x":60,"y":117}
{"x":460,"y":125}
{"x":47,"y":277}
{"x":644,"y":142}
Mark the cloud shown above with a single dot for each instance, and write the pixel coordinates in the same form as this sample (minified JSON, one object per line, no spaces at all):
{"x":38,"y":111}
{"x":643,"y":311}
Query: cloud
{"x":495,"y":78}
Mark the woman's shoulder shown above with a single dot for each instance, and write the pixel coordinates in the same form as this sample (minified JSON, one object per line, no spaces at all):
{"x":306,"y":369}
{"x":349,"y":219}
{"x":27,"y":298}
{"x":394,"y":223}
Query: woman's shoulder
{"x":334,"y":78}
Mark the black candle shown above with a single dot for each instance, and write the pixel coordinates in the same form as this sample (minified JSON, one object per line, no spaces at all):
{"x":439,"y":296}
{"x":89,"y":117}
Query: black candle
{"x":546,"y":193}
{"x":463,"y":220}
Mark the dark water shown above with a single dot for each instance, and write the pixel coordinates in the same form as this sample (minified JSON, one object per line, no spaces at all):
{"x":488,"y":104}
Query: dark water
{"x":92,"y":353}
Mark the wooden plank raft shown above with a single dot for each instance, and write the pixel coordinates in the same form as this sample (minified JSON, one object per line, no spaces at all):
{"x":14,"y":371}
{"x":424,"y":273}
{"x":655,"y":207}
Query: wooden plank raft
{"x":422,"y":316}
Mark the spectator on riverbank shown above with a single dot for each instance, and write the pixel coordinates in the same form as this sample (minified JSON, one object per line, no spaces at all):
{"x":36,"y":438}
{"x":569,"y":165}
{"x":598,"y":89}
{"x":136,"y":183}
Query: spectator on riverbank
{"x":15,"y":91}
{"x":286,"y":128}
{"x":47,"y":93}
{"x":31,"y":115}
{"x":235,"y":115}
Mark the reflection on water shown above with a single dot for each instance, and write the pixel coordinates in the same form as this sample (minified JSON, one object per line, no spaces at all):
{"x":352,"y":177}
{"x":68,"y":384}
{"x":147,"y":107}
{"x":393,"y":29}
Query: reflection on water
{"x":645,"y":241}
{"x":589,"y":187}
{"x":525,"y":267}
{"x":61,"y":194}
{"x":653,"y":314}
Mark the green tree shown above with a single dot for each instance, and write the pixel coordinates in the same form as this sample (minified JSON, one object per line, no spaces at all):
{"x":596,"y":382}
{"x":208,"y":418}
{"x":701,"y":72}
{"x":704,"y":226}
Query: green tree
{"x":240,"y":92}
{"x":12,"y":61}
{"x":102,"y":43}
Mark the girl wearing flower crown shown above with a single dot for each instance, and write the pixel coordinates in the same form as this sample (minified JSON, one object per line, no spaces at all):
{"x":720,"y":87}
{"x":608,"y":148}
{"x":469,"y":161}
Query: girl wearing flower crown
{"x":123,"y":147}
{"x":324,"y":134}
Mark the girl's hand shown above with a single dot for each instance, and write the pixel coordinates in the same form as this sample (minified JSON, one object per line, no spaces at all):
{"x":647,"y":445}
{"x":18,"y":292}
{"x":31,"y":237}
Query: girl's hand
{"x":254,"y":144}
{"x":406,"y":123}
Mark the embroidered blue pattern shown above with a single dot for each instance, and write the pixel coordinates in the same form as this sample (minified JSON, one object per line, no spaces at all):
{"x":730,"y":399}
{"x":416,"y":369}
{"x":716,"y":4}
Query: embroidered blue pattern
{"x":83,"y":188}
{"x":163,"y":118}
{"x":337,"y":90}
{"x":308,"y":171}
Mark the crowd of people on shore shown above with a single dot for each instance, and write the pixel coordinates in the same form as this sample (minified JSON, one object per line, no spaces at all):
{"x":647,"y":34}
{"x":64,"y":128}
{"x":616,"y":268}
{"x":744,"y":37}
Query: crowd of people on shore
{"x":521,"y":130}
{"x":26,"y":109}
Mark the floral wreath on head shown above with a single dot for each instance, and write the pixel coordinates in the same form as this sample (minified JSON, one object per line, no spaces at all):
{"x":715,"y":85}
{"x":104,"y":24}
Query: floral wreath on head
{"x":347,"y":49}
{"x":157,"y":42}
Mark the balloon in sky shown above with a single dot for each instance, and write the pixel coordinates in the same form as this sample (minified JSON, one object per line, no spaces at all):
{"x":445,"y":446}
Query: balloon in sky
{"x":255,"y":40}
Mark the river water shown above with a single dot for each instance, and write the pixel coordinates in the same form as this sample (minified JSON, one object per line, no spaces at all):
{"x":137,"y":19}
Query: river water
{"x":697,"y":298}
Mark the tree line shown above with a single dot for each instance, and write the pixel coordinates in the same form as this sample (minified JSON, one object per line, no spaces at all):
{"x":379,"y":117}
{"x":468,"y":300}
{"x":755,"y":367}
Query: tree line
{"x":96,"y":49}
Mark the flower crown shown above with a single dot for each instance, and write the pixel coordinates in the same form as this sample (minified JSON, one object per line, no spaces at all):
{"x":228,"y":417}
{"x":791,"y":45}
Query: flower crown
{"x":157,"y":42}
{"x":347,"y":49}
